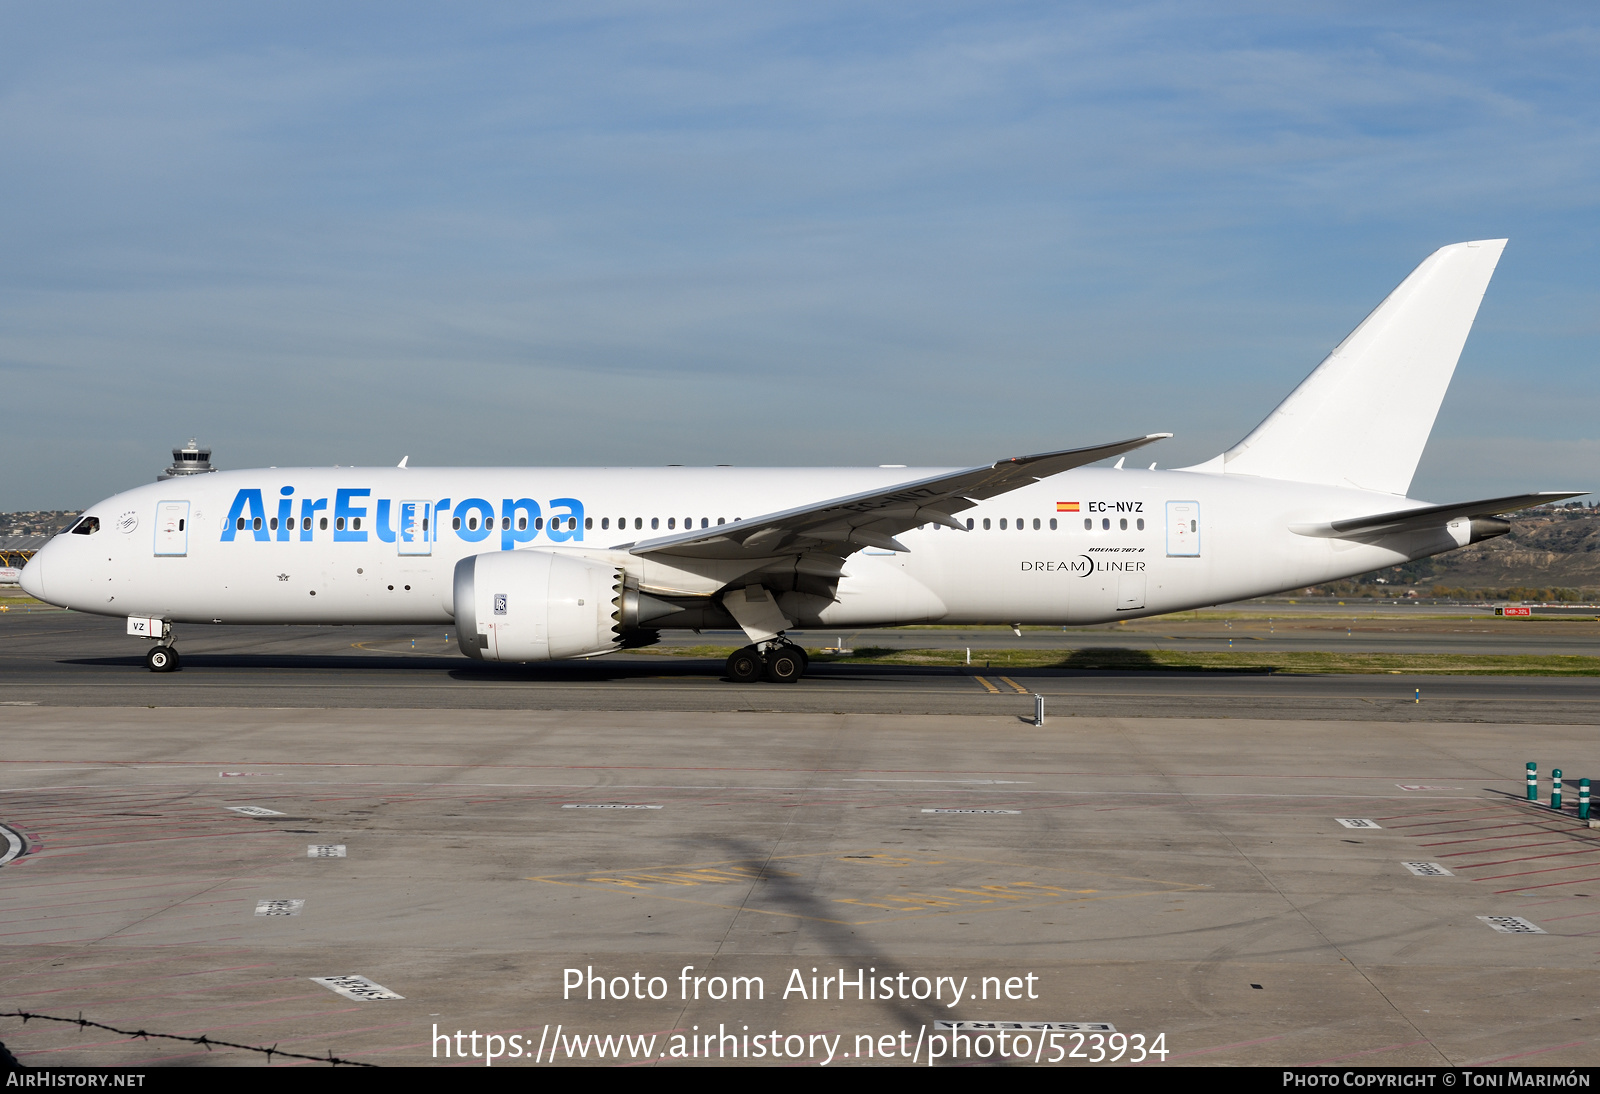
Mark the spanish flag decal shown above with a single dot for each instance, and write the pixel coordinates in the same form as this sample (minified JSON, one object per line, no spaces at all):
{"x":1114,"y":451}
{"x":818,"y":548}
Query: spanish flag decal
{"x":1066,"y":507}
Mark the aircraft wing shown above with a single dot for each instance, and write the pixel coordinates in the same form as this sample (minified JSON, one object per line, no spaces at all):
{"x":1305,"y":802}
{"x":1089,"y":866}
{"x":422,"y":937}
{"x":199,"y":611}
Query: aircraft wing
{"x":1428,"y":516}
{"x":842,"y":526}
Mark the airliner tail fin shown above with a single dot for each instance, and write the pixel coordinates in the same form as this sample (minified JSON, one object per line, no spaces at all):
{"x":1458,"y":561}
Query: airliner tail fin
{"x":1362,"y":417}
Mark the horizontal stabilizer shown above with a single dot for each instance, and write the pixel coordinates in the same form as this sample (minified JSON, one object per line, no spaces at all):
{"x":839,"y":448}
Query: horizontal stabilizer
{"x":1428,"y":516}
{"x":1362,"y":417}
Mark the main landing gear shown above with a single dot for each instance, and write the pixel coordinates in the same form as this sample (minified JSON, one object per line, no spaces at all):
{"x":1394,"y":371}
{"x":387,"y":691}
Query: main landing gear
{"x":781,"y":662}
{"x":163,"y":658}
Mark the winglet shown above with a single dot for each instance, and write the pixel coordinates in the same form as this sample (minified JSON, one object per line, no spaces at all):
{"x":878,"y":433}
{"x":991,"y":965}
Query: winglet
{"x":403,"y":460}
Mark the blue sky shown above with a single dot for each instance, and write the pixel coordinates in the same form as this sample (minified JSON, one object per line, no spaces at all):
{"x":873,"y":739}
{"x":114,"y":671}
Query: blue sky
{"x":773,"y":234}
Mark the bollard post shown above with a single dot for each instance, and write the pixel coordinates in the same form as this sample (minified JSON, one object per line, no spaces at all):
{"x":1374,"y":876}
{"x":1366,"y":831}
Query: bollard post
{"x":1038,"y":720}
{"x":1555,"y":788}
{"x":1583,"y":799}
{"x":969,"y":655}
{"x":1533,"y":782}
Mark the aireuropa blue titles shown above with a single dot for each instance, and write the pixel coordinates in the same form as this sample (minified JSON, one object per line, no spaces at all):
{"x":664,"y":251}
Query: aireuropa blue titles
{"x":518,"y":520}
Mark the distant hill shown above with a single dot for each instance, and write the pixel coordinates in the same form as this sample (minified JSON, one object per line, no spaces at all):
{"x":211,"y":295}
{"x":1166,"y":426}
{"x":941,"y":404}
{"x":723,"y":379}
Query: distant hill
{"x":1551,"y":553}
{"x":37,"y":522}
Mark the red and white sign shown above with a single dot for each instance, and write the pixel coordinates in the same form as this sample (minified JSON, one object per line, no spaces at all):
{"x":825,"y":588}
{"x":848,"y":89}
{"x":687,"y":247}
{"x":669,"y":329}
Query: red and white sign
{"x":1514,"y":611}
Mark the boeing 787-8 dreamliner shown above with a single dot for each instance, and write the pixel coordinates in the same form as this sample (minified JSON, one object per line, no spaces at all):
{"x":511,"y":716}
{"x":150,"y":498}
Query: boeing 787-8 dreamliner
{"x":539,"y":564}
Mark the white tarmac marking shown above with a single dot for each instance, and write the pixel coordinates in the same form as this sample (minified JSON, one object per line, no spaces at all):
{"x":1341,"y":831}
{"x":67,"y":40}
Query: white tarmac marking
{"x":280,"y":907}
{"x":973,"y":782}
{"x":986,"y":812}
{"x":355,"y":987}
{"x":1427,"y":869}
{"x":1512,"y":924}
{"x":1297,"y":796}
{"x":13,"y":846}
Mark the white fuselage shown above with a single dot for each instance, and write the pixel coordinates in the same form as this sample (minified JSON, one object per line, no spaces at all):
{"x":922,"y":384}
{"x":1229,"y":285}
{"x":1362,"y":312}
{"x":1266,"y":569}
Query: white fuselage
{"x":327,"y":545}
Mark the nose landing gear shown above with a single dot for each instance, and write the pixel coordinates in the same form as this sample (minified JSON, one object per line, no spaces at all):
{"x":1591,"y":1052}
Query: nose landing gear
{"x":781,"y":662}
{"x":162,"y":659}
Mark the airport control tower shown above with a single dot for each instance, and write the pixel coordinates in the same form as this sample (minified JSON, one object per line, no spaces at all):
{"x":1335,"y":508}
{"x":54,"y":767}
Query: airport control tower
{"x":191,"y":459}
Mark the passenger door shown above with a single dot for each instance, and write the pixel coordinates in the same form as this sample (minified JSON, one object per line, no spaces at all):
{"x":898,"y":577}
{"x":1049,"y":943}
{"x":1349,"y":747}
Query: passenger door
{"x":172,"y":528}
{"x":414,"y":531}
{"x":1183,"y":529}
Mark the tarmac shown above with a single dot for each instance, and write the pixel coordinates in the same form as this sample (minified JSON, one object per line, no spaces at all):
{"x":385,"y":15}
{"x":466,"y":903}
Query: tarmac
{"x":1164,"y":858}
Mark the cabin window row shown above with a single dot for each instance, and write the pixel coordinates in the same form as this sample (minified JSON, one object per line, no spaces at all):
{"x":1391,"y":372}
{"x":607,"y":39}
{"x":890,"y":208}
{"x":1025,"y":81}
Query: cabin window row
{"x":655,"y":523}
{"x":254,"y":523}
{"x":556,"y":523}
{"x":1022,"y":524}
{"x":571,"y":524}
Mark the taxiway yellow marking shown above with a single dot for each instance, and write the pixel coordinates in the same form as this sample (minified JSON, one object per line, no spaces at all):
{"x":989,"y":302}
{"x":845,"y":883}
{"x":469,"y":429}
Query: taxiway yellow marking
{"x":431,"y":652}
{"x":987,"y":894}
{"x":992,"y":690}
{"x":1020,"y":690}
{"x":711,"y":880}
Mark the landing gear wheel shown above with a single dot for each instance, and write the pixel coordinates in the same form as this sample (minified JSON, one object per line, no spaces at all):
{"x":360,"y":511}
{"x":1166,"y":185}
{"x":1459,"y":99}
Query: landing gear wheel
{"x":798,"y":650}
{"x":162,"y":659}
{"x":785,"y":664}
{"x":745,"y":666}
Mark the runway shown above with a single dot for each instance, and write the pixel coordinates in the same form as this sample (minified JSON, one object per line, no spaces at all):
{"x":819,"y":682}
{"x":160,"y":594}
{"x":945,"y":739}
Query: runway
{"x":1165,"y":857}
{"x":60,"y":657}
{"x":1357,"y":632}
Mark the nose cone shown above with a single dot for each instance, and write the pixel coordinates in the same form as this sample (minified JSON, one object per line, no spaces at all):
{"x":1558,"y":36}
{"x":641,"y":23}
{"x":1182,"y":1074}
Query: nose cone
{"x":32,"y":579}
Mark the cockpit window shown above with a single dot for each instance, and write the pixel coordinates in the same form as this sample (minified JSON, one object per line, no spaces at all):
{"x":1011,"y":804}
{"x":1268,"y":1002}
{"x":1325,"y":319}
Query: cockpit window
{"x":88,"y":526}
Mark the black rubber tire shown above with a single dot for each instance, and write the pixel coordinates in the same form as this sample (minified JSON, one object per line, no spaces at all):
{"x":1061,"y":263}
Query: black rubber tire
{"x":785,"y":665}
{"x":745,"y":666}
{"x":162,"y":659}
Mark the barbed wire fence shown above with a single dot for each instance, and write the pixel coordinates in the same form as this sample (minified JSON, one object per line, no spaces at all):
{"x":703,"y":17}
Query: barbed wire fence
{"x":8,"y":1060}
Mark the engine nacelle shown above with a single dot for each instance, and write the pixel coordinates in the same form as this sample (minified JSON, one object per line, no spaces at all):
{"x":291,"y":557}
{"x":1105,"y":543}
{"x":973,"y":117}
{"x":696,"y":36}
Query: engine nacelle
{"x":537,"y":606}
